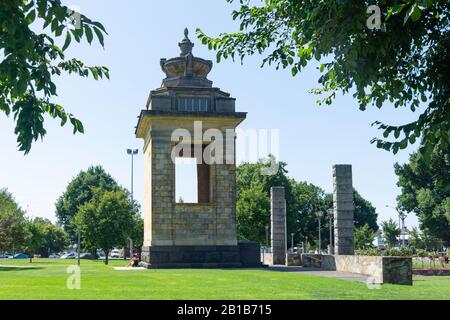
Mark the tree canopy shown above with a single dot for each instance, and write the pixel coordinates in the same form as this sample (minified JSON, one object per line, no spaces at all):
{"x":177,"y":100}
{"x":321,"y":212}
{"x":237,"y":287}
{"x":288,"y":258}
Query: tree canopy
{"x":30,"y":61}
{"x":80,"y":191}
{"x":405,"y":62}
{"x":364,"y":237}
{"x":424,"y":193}
{"x":303,"y":200}
{"x":45,"y":238}
{"x":13,"y":223}
{"x":390,"y":232}
{"x":107,"y":220}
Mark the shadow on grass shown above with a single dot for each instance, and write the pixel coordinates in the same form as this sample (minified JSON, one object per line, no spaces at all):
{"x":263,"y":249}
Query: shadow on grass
{"x":13,"y":268}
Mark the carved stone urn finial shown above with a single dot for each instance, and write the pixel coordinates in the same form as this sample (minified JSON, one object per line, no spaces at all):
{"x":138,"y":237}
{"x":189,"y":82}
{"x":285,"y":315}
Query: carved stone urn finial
{"x":186,"y":45}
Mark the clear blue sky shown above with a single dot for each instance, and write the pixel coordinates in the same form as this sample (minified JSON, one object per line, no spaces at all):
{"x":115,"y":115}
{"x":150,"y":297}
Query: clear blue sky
{"x":313,"y":138}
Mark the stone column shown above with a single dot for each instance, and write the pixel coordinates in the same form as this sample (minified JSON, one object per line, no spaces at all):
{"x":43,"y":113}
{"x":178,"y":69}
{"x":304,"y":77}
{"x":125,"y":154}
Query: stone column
{"x":278,"y":225}
{"x":343,"y":210}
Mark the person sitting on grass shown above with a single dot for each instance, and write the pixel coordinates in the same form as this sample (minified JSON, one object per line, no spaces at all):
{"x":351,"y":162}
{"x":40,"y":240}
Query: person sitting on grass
{"x":134,"y":261}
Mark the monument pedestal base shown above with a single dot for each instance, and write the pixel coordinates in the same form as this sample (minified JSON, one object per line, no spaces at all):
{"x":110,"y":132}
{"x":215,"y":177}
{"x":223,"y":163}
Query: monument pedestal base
{"x":245,"y":254}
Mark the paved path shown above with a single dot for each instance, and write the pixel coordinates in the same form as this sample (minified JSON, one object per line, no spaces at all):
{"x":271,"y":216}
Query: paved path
{"x":321,"y":273}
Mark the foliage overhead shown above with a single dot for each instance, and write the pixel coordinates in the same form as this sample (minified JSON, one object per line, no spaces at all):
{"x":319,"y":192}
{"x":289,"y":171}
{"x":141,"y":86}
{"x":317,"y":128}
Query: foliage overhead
{"x":30,"y":61}
{"x":406,"y":62}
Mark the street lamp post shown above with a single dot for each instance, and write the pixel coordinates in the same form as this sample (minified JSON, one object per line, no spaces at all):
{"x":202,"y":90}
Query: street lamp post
{"x":330,"y":216}
{"x":401,"y":223}
{"x":292,"y":242}
{"x":319,"y":215}
{"x":78,"y":245}
{"x":403,"y":234}
{"x":132,"y":153}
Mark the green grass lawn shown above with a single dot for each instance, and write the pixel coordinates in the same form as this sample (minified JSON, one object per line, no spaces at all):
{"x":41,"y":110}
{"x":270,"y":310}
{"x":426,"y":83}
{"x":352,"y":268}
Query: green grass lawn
{"x":46,"y":279}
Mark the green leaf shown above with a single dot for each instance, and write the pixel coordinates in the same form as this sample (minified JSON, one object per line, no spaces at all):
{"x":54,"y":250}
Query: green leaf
{"x":416,"y":13}
{"x":294,"y":71}
{"x":403,"y":144}
{"x":31,"y":16}
{"x":100,"y":37}
{"x":398,"y":8}
{"x":331,"y":74}
{"x":413,"y":13}
{"x":100,"y":26}
{"x":67,"y":42}
{"x":89,"y":35}
{"x":21,"y":87}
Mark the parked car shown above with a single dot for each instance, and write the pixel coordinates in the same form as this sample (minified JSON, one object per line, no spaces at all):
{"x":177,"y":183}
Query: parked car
{"x":87,"y":256}
{"x":115,"y":253}
{"x":20,"y":256}
{"x":70,"y":255}
{"x":54,"y":256}
{"x":5,"y":255}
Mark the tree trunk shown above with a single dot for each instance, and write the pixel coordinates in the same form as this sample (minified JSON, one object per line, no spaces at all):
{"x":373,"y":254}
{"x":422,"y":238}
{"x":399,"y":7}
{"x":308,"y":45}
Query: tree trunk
{"x":94,"y":253}
{"x":106,"y":256}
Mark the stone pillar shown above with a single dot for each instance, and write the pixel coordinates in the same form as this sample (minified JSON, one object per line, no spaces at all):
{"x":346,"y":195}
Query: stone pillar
{"x":343,"y":210}
{"x":278,"y":225}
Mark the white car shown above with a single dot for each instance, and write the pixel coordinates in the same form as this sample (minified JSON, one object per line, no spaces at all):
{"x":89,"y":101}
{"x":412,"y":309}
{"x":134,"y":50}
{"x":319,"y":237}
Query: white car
{"x":115,"y":253}
{"x":70,"y":255}
{"x":54,"y":256}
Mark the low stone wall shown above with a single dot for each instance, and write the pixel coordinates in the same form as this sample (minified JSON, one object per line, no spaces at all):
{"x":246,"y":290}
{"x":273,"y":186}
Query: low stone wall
{"x":294,"y":259}
{"x":267,"y":258}
{"x":367,"y":265}
{"x":397,"y":270}
{"x":432,"y":272}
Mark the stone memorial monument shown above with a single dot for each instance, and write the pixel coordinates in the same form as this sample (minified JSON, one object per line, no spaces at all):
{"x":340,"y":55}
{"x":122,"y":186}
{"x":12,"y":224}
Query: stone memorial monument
{"x":278,"y":225}
{"x":343,"y":210}
{"x":201,"y":234}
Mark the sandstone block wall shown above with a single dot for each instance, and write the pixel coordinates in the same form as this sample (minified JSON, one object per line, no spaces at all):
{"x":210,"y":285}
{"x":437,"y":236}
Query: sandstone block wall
{"x":169,"y":223}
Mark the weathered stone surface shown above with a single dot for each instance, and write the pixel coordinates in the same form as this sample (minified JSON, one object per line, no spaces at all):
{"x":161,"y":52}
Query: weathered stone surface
{"x":203,"y":233}
{"x":294,"y":259}
{"x":395,"y":270}
{"x":343,"y":210}
{"x":278,"y":225}
{"x":250,"y":253}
